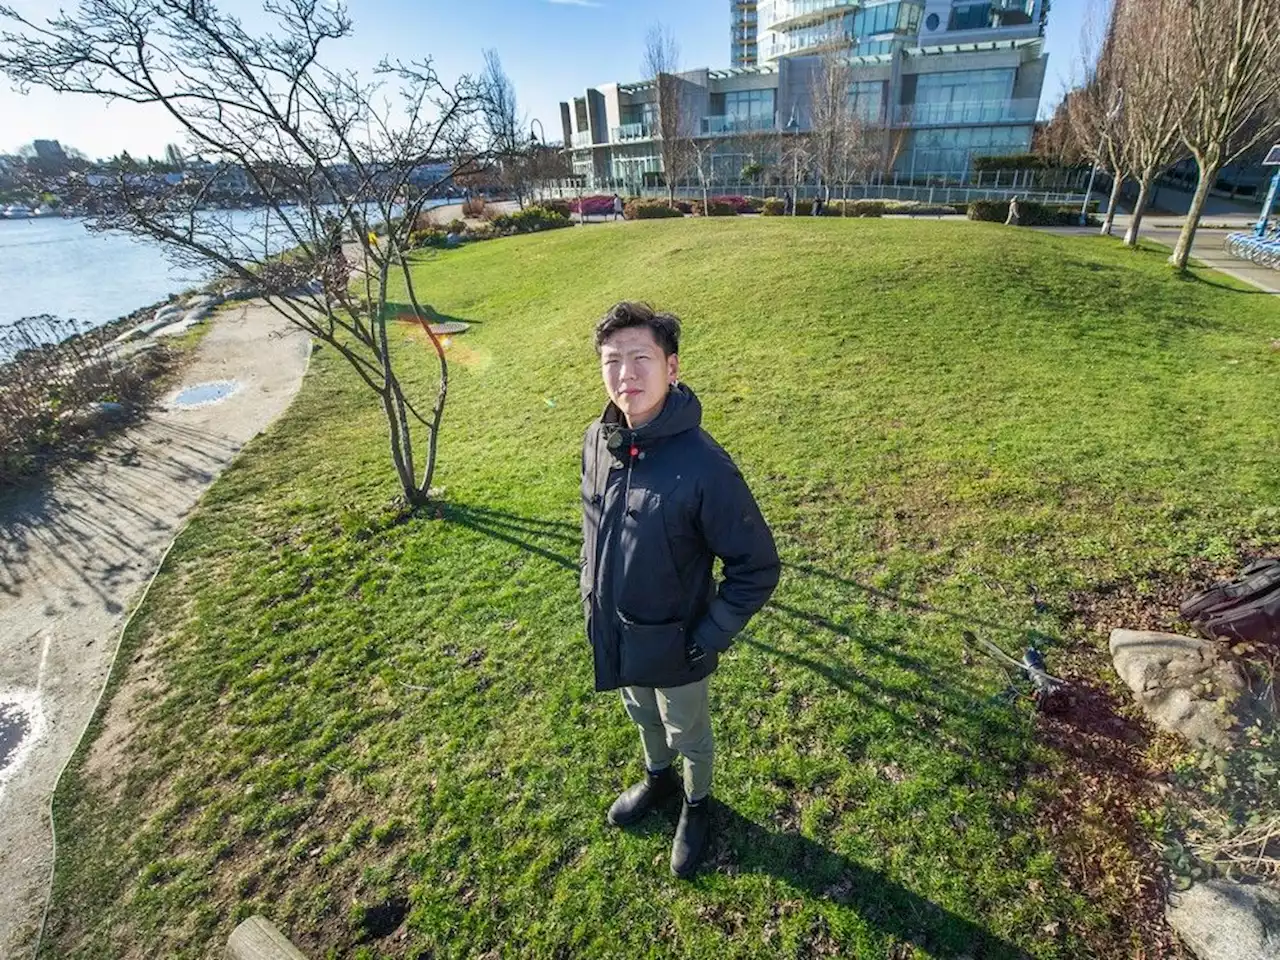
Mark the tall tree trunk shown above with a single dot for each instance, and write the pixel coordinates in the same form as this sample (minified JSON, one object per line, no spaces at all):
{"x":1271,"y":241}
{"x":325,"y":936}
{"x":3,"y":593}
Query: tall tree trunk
{"x":1182,"y":250}
{"x":1109,"y":220}
{"x":1139,"y":208}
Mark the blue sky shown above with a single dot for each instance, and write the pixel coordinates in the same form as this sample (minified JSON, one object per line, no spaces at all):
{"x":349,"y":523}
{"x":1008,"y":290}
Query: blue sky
{"x":551,"y":49}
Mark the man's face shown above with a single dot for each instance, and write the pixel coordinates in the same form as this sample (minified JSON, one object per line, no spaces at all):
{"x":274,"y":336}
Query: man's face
{"x":636,"y":374}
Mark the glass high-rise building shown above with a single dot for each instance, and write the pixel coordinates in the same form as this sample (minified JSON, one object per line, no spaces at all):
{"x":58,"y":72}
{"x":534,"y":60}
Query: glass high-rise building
{"x":742,"y":45}
{"x":942,"y":81}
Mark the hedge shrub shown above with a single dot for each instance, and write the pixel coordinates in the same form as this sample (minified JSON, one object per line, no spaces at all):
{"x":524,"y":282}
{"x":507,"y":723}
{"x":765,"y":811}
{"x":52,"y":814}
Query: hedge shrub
{"x":714,"y":208}
{"x":1017,"y":161}
{"x":739,"y":204}
{"x":597,"y":205}
{"x":1030,"y":214}
{"x":919,"y":208}
{"x":854,"y":208}
{"x":529,"y":220}
{"x":562,"y":207}
{"x":649,"y":210}
{"x":773,"y":207}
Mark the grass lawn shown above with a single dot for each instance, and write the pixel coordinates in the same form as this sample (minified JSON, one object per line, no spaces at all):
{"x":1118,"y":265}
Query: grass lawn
{"x":379,"y":730}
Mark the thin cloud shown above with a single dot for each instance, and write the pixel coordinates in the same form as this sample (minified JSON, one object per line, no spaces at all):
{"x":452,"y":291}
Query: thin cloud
{"x":575,"y":3}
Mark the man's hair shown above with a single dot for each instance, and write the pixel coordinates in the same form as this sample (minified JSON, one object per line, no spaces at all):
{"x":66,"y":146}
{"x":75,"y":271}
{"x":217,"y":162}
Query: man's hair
{"x":665,"y":326}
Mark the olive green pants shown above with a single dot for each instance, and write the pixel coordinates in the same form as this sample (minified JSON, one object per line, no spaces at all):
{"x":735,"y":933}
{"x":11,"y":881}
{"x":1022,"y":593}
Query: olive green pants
{"x":675,"y":721}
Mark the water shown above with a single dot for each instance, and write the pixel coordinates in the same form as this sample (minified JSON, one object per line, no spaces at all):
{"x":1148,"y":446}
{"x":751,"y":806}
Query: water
{"x":55,"y":265}
{"x":15,"y":726}
{"x":204,"y":394}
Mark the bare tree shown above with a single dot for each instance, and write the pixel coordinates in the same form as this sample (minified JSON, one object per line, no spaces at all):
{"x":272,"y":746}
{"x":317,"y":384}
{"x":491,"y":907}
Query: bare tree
{"x":301,"y":133}
{"x":1147,"y":130}
{"x":505,"y":126}
{"x":1228,"y":89}
{"x":831,"y":119}
{"x":675,"y":129}
{"x":1095,"y":107}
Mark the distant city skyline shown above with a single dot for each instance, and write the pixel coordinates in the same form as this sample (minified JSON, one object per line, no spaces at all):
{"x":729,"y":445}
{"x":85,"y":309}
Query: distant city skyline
{"x":548,"y":47}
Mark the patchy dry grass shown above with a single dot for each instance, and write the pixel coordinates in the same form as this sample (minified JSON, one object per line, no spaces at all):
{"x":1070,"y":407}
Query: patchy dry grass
{"x":378,"y":729}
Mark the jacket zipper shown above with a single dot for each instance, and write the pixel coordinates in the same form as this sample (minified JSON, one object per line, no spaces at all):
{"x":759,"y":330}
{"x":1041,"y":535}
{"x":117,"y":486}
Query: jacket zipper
{"x":613,"y":574}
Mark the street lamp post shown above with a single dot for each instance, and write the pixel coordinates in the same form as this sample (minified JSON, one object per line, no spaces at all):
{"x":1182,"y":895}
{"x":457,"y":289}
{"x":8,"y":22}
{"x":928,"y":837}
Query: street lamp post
{"x":793,"y":128}
{"x":1102,"y":145}
{"x":534,"y":142}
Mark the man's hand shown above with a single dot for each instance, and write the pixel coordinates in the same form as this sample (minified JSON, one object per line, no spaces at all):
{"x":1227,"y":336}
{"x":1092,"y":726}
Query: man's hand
{"x":694,"y":653}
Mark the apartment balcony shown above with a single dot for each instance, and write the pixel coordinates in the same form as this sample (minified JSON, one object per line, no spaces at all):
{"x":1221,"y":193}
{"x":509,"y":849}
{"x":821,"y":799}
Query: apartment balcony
{"x":728,"y":125}
{"x":808,"y":43}
{"x":582,"y":139}
{"x":789,"y":14}
{"x":971,"y":112}
{"x":631,"y":131}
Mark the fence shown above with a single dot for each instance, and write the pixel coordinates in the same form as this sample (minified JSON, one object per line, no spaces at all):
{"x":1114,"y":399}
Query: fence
{"x":1041,"y":186}
{"x":884,"y":191}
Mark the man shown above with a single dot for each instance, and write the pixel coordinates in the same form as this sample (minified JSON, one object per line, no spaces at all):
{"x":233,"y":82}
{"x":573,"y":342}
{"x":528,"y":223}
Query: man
{"x":1014,"y":217}
{"x":660,"y":501}
{"x":617,"y":207}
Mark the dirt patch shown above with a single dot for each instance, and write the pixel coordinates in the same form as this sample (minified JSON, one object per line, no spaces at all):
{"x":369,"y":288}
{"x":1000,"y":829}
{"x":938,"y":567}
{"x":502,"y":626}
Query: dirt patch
{"x":1113,"y":771}
{"x":107,"y":759}
{"x":1105,"y":782}
{"x":1151,"y":601}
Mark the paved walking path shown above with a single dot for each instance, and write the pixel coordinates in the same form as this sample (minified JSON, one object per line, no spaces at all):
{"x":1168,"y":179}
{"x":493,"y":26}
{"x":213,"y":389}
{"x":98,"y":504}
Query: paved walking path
{"x":1208,"y":247}
{"x":74,"y":555}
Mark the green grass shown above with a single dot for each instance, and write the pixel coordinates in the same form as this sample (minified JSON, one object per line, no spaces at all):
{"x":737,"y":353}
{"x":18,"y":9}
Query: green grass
{"x":338,"y":706}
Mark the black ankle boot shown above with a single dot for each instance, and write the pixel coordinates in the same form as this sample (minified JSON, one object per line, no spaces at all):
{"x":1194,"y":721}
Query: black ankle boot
{"x":637,"y":800}
{"x":692,"y":836}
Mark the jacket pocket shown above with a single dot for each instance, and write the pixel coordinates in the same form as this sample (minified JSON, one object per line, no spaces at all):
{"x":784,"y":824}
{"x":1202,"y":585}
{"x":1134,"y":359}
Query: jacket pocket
{"x":651,"y":655}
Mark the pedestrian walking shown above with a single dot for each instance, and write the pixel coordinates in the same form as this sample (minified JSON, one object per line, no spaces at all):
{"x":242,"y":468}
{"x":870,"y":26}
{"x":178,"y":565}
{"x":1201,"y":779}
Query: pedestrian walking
{"x":788,"y":204}
{"x":617,"y":207}
{"x":1015,"y":216}
{"x":661,"y":501}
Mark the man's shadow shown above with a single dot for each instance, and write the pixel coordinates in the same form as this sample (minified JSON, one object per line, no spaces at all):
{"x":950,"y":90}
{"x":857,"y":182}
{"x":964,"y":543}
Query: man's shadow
{"x":740,"y":845}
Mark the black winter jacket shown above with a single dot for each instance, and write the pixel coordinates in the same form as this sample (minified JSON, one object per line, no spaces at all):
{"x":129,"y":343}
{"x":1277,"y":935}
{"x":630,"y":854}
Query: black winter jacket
{"x":659,"y":504}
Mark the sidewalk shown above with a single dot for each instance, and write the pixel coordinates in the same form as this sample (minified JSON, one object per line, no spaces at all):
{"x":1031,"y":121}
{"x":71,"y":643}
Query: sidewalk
{"x":75,"y":550}
{"x":1207,"y":249}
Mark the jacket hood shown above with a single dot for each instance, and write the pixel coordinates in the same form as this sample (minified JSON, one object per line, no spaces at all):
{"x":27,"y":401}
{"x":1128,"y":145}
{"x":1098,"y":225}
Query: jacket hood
{"x":681,"y":412}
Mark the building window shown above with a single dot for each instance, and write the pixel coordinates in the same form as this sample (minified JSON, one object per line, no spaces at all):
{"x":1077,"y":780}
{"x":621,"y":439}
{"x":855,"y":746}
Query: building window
{"x":970,"y":16}
{"x":749,"y":104}
{"x":886,"y":18}
{"x":646,"y":113}
{"x":965,"y":86}
{"x":932,"y":22}
{"x":950,"y":151}
{"x":866,"y":99}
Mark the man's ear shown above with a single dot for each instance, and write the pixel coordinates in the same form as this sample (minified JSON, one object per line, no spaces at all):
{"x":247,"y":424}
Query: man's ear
{"x":673,"y":368}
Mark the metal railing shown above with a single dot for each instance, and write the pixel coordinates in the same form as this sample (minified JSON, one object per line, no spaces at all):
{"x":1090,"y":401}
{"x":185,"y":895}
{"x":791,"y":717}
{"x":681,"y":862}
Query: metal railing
{"x":582,"y":139}
{"x":781,"y":12}
{"x":631,"y":131}
{"x":807,"y":42}
{"x":632,"y":187}
{"x":710,"y":126}
{"x":961,"y":112}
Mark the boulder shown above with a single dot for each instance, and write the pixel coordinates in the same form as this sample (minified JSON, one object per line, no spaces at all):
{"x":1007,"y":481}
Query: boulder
{"x":1179,"y":682}
{"x":183,"y":324}
{"x":1225,"y":920}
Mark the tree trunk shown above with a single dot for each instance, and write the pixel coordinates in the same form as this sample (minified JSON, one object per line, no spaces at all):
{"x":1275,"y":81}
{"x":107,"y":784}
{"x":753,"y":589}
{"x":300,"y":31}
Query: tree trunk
{"x":1139,"y":207}
{"x":1117,"y":184}
{"x":1182,"y":250}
